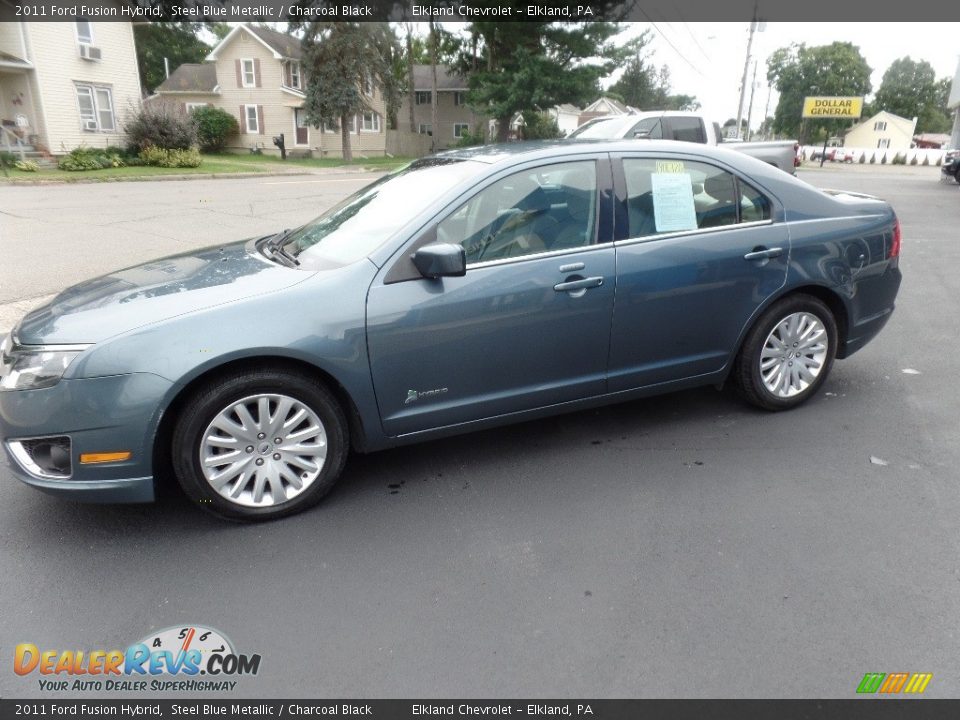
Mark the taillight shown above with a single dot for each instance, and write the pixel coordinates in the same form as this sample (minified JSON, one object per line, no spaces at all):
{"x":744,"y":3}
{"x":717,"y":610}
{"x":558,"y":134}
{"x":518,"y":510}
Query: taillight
{"x":895,"y":245}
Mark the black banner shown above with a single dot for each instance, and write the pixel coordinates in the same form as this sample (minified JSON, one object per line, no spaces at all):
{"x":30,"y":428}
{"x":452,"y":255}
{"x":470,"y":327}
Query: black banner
{"x":475,"y":10}
{"x":854,"y":709}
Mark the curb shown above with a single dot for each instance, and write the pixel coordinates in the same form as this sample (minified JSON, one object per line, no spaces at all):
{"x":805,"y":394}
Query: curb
{"x":357,"y":170}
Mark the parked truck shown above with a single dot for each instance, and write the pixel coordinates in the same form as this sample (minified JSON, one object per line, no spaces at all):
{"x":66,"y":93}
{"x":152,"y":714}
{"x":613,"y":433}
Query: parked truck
{"x":688,"y":127}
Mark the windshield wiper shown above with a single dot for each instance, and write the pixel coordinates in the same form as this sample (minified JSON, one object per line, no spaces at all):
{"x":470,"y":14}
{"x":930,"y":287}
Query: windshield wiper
{"x":276,"y":249}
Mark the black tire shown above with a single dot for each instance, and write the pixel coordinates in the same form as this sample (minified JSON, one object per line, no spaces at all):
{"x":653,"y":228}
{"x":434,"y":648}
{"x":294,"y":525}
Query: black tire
{"x":746,"y":371}
{"x":956,"y":175}
{"x":197,"y":415}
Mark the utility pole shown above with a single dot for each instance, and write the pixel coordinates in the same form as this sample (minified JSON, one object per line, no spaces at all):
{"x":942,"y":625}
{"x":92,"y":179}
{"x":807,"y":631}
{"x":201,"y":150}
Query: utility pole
{"x":753,"y":87}
{"x":754,"y":27}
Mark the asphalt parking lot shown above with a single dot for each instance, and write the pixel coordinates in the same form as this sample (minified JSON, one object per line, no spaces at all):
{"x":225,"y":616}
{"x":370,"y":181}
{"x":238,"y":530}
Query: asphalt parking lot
{"x":683,"y":546}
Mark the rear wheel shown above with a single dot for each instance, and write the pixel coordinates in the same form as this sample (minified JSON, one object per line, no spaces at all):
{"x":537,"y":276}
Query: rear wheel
{"x":260,"y":444}
{"x":787,"y":354}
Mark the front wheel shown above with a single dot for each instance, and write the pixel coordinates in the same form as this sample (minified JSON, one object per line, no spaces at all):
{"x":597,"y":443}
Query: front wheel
{"x":260,"y":444}
{"x":787,"y":354}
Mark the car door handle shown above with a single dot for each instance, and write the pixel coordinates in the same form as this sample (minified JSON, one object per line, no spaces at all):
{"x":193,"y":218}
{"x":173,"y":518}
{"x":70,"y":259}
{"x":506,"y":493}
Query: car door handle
{"x":580,"y":284}
{"x":763,"y":253}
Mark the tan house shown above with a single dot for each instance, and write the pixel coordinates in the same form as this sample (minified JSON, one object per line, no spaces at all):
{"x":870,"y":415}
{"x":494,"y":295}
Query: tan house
{"x":454,"y":117}
{"x":66,"y":84}
{"x":883,"y":130}
{"x":603,"y":106}
{"x":256,"y":74}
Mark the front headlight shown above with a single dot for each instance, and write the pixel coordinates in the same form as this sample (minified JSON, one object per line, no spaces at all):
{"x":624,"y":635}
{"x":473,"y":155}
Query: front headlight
{"x":30,"y":367}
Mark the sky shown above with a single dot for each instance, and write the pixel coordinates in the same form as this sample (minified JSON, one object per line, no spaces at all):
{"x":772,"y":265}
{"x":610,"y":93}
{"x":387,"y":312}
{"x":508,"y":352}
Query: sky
{"x":706,"y":59}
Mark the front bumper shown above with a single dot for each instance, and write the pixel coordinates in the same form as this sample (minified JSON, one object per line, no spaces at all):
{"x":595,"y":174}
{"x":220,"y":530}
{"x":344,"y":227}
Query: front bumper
{"x":106,"y":414}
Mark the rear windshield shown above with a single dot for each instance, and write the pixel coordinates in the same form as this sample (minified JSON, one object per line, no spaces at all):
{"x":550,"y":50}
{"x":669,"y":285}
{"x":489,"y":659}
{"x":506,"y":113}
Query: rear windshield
{"x":361,"y":223}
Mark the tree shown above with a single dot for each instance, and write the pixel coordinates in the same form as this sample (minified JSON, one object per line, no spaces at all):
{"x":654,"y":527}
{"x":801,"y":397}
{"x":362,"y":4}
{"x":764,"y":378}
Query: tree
{"x":798,"y":71}
{"x":910,"y":89}
{"x":647,"y":87}
{"x":341,"y":59}
{"x":527,"y":66}
{"x":176,"y":41}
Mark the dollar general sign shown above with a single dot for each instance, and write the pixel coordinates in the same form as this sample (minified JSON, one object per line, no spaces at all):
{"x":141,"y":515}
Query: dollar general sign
{"x":832,"y":107}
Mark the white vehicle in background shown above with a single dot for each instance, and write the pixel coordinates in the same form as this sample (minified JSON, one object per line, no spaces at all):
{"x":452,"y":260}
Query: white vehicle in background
{"x":688,"y":127}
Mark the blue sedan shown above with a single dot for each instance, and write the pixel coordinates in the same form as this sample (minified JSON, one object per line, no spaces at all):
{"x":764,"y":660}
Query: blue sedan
{"x":471,"y":289}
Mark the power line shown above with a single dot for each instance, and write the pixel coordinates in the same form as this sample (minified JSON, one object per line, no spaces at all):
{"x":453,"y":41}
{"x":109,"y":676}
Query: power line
{"x":667,"y":40}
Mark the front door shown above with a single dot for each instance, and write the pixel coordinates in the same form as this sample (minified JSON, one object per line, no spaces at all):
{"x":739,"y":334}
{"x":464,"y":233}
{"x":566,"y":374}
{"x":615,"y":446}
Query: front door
{"x":300,"y":121}
{"x":527,"y":326}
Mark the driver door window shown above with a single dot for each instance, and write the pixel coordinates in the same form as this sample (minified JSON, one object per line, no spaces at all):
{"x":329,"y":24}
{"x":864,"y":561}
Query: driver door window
{"x":542,"y":209}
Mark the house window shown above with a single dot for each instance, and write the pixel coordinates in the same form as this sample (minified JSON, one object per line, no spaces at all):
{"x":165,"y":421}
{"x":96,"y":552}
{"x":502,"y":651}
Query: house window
{"x":883,"y":143}
{"x":367,"y":86}
{"x":460,"y":129}
{"x":422,"y":97}
{"x":459,"y":98}
{"x":370,"y":122}
{"x":248,"y":77}
{"x":880,"y":126}
{"x":84,"y":32}
{"x":252,"y":120}
{"x":96,"y":108}
{"x":352,"y":125}
{"x":425,"y":129}
{"x":292,"y":76}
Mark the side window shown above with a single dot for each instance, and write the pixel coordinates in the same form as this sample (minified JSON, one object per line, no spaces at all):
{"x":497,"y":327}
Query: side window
{"x":753,"y":205}
{"x":688,"y":129}
{"x":650,"y":126}
{"x":543,"y":209}
{"x":678,"y":195}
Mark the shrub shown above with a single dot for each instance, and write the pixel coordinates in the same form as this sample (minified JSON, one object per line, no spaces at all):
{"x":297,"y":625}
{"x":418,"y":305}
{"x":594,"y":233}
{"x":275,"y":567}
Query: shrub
{"x":540,"y":126}
{"x":7,"y":158}
{"x":468,"y":139}
{"x":162,"y":125}
{"x":26,"y":165}
{"x":85,"y":158}
{"x":214,"y":126}
{"x":926,"y":159}
{"x":161,"y":157}
{"x":863,"y":158}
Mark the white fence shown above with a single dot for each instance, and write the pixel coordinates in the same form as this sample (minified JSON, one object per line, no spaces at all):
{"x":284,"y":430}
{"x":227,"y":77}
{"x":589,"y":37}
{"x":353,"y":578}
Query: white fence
{"x":882,"y":156}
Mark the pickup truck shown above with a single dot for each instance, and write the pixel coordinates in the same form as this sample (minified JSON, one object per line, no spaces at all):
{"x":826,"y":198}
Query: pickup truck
{"x":686,"y":126}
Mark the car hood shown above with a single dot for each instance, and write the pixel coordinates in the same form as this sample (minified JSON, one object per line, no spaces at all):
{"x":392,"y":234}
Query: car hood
{"x":121,"y":301}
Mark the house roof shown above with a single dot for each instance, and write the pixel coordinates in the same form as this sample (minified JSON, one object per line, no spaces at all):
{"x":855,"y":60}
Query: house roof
{"x":933,"y":138}
{"x":888,"y":117}
{"x":191,"y":77}
{"x":9,"y":60}
{"x":608,"y":105}
{"x":287,"y":45}
{"x":447,"y":79}
{"x":282,"y":46}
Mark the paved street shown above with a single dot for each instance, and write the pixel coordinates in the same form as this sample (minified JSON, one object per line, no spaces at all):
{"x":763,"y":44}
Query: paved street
{"x":683,"y":546}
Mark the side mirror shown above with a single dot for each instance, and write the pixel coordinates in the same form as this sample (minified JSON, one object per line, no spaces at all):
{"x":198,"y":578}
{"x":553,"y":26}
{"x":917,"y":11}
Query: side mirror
{"x":441,"y":260}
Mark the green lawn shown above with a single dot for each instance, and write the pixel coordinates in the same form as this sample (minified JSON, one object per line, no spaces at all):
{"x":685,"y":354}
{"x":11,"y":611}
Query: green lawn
{"x":212,"y":165}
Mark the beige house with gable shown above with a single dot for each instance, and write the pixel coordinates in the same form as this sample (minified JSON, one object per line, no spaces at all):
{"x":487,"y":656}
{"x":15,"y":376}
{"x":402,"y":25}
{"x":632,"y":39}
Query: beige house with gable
{"x":65,"y":84}
{"x":883,"y":130}
{"x":256,"y":74}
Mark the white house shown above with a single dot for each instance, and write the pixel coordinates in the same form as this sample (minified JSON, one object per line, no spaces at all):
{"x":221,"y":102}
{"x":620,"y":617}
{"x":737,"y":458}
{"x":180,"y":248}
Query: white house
{"x":66,"y":84}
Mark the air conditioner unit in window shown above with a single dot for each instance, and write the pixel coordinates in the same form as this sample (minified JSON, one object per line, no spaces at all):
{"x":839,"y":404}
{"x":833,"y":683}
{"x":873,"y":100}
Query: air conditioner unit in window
{"x":89,"y":52}
{"x":90,"y":125}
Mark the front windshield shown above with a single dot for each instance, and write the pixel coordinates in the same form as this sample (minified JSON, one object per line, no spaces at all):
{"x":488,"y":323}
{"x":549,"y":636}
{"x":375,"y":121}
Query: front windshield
{"x":361,"y":223}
